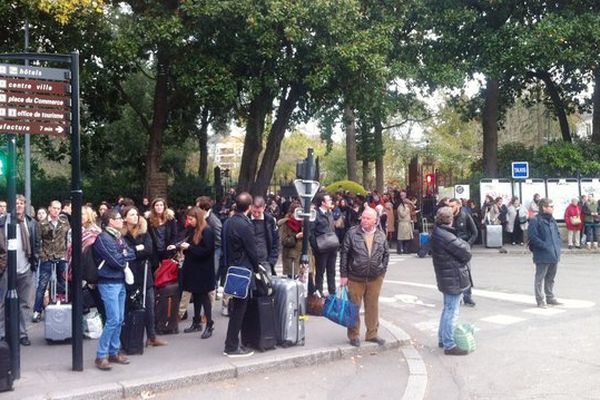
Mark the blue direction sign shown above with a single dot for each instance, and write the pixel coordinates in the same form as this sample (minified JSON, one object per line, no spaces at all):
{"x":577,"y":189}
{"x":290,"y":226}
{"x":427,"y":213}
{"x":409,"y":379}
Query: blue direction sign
{"x":520,"y":170}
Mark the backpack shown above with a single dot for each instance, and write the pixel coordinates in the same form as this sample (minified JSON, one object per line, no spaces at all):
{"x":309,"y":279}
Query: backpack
{"x":89,"y":265}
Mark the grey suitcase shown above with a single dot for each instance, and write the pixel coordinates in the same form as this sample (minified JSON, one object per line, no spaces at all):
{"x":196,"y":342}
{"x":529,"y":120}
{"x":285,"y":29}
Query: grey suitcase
{"x":493,"y":236}
{"x":57,"y":320}
{"x":290,"y":311}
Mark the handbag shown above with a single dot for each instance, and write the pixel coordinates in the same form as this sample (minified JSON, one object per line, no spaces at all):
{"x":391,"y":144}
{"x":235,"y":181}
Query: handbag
{"x":314,"y":304}
{"x":237,"y":282}
{"x":166,"y":273}
{"x":340,"y":309}
{"x":575,"y":220}
{"x":129,"y":279}
{"x":327,"y":241}
{"x":263,"y":282}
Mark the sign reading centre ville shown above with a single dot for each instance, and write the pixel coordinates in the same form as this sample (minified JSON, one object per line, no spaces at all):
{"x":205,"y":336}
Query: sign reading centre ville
{"x":34,"y":100}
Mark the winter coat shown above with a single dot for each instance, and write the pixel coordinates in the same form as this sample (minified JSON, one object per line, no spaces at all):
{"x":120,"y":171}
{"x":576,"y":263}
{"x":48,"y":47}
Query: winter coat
{"x":291,"y":248}
{"x":115,"y":253}
{"x":198,"y":271}
{"x":544,"y":239}
{"x":405,"y":223}
{"x":465,"y":227}
{"x":321,"y":225}
{"x":35,"y":242}
{"x":137,"y":266}
{"x":272,"y":237}
{"x":590,"y":207}
{"x":239,"y":246}
{"x":572,"y":211}
{"x":451,"y":256}
{"x":171,"y":237}
{"x":391,"y":219}
{"x":355,"y":262}
{"x":54,"y":239}
{"x":511,"y":217}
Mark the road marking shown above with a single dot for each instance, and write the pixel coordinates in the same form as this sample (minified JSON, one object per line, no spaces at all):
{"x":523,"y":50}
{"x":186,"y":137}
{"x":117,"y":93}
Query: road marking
{"x":512,"y":297}
{"x":544,"y":311}
{"x":501,"y":319}
{"x":416,"y":385}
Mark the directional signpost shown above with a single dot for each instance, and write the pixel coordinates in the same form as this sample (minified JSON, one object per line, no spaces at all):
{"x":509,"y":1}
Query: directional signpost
{"x":41,"y":101}
{"x":34,"y":100}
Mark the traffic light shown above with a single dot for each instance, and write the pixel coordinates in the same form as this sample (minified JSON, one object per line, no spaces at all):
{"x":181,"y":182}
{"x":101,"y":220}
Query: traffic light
{"x":430,"y":179}
{"x":3,"y":161}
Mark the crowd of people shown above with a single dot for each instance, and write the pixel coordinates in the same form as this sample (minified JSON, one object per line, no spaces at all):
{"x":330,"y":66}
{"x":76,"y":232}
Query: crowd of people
{"x":255,"y":231}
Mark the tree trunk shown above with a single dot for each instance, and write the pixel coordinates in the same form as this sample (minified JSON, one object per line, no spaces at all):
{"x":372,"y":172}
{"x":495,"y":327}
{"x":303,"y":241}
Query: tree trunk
{"x":558,"y":105}
{"x":365,"y":173}
{"x":490,"y":128}
{"x":379,"y":152}
{"x":259,"y":107}
{"x":350,"y":124}
{"x":596,"y":108}
{"x":203,"y":145}
{"x":159,"y":124}
{"x":287,"y":105}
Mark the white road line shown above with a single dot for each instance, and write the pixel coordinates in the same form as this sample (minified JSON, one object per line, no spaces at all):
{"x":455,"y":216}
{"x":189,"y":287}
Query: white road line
{"x":416,"y":385}
{"x":512,"y":297}
{"x":501,"y":319}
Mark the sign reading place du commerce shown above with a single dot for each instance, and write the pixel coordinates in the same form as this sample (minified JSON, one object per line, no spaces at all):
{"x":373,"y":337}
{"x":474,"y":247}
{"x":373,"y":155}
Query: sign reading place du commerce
{"x":34,"y":100}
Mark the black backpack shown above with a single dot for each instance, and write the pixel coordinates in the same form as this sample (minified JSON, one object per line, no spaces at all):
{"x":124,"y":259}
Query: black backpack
{"x":89,"y":266}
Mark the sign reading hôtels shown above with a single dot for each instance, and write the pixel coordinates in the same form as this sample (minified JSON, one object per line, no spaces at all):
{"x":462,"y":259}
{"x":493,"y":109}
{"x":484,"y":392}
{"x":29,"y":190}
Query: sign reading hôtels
{"x":34,"y":100}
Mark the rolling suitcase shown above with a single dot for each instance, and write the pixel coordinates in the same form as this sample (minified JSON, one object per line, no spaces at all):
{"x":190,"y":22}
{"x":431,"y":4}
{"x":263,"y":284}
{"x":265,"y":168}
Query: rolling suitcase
{"x":57,"y":320}
{"x":132,"y":332}
{"x":6,"y":378}
{"x":290,"y":310}
{"x":423,"y":239}
{"x":258,"y":328}
{"x":166,"y":309}
{"x":493,"y":236}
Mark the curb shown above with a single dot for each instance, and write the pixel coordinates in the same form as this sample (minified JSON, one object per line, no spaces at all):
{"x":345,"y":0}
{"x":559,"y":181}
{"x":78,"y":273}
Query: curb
{"x":227,"y":370}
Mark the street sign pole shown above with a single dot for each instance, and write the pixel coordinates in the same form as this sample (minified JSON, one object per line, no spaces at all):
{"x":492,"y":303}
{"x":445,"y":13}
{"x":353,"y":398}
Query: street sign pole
{"x":12,"y":300}
{"x":77,"y":201}
{"x":27,"y":141}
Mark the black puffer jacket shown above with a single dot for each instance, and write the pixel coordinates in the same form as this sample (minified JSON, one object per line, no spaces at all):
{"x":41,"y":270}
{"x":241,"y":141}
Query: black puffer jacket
{"x":451,"y":256}
{"x":355,"y":262}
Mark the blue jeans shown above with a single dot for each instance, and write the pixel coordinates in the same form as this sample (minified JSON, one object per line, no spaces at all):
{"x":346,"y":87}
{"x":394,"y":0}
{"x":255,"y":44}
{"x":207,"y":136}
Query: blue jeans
{"x":45,"y":272}
{"x":113,"y":297}
{"x":448,"y":320}
{"x":591,"y":233}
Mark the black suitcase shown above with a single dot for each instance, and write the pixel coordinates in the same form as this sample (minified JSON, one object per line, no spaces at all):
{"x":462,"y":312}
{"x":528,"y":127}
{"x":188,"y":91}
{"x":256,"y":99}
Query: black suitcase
{"x":6,"y":378}
{"x":414,"y":245}
{"x":132,"y":331}
{"x":167,"y":309}
{"x":258,"y":328}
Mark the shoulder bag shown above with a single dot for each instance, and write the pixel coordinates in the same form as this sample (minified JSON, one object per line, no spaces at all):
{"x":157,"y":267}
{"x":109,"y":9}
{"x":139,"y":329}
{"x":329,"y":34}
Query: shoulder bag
{"x":327,"y":242}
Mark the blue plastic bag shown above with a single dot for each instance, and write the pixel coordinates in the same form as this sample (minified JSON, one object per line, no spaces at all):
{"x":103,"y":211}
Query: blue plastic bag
{"x":340,"y":309}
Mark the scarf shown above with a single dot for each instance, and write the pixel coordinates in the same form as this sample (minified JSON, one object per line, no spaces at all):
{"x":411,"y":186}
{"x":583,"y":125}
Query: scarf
{"x":294,"y":224}
{"x":24,"y":237}
{"x":369,"y":232}
{"x":113,"y":232}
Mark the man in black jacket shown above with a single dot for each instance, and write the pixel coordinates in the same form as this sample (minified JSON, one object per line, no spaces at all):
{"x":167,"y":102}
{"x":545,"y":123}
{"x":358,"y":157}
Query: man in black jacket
{"x":324,"y":257}
{"x":451,"y":256}
{"x":239,"y":249}
{"x":265,"y":234}
{"x":466,"y":230}
{"x":364,"y":261}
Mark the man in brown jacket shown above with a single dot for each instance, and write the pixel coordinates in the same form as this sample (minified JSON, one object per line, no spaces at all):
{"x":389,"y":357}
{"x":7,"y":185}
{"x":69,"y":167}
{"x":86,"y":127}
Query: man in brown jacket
{"x":364,"y":261}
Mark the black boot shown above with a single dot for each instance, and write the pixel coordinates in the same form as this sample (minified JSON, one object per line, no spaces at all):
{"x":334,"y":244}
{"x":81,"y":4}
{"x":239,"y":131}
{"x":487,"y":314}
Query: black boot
{"x":195,"y":327}
{"x":209,"y":330}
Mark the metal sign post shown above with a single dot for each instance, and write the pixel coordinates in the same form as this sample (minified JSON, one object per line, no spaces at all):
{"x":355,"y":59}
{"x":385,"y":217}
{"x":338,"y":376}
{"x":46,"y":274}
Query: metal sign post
{"x":43,"y":101}
{"x":306,"y":188}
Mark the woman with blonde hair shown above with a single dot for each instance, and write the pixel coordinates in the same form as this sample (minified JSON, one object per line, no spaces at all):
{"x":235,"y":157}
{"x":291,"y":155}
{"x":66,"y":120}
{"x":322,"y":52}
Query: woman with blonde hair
{"x":198,"y":271}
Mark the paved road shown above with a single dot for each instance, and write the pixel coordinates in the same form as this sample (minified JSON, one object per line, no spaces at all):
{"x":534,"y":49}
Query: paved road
{"x":523,"y":352}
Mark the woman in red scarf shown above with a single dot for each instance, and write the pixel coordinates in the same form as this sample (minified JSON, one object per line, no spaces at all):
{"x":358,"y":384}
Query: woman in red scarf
{"x":290,"y":234}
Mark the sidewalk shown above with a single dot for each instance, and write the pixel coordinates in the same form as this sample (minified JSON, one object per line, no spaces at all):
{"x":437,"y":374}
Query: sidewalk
{"x":187,"y":360}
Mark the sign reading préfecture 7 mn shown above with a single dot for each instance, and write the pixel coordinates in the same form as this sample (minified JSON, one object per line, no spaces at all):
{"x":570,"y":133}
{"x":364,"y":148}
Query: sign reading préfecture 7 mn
{"x":22,"y":71}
